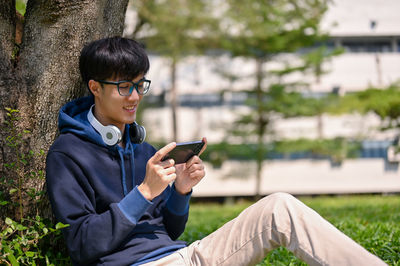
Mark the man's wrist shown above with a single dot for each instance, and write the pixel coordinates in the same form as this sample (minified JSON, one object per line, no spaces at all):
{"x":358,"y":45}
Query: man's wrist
{"x":182,"y":192}
{"x":145,"y":191}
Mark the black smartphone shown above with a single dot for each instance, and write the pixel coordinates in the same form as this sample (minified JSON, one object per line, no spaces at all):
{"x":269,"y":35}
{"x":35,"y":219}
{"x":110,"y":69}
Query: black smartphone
{"x":184,"y":151}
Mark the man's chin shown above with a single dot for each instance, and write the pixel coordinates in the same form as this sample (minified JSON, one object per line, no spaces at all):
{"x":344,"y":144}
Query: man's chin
{"x":130,"y":121}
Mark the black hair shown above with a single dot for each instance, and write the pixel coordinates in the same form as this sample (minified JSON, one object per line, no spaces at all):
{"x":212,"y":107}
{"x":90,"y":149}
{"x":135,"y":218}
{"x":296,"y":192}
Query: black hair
{"x":113,"y":57}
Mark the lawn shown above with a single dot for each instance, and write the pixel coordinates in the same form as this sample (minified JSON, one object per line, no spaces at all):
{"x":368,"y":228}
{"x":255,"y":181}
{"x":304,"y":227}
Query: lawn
{"x":373,"y":221}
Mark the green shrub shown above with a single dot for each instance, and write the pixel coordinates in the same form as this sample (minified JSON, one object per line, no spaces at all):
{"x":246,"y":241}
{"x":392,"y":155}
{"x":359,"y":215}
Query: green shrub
{"x":29,"y":243}
{"x":25,"y":240}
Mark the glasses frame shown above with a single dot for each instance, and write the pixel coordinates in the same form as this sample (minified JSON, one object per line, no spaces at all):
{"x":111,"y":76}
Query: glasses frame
{"x":135,"y":85}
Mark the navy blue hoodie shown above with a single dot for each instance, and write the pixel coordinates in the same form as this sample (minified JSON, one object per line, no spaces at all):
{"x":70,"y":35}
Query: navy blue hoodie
{"x":93,"y":188}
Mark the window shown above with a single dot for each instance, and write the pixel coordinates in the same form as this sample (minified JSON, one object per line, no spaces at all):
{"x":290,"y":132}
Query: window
{"x":367,"y":46}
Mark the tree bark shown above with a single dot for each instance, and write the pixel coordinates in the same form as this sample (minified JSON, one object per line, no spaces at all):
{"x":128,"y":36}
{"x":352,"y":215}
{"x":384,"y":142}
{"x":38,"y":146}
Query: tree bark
{"x":46,"y":75}
{"x":7,"y":37}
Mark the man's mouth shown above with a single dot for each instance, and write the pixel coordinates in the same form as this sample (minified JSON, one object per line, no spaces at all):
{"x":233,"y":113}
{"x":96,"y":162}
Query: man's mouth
{"x":130,"y":108}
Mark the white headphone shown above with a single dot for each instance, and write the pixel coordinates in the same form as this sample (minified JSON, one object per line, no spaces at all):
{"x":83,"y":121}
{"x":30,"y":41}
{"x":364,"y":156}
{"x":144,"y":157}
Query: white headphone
{"x":111,"y":134}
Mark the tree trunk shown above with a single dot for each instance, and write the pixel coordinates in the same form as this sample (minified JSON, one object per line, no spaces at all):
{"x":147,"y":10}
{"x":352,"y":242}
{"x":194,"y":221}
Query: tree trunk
{"x":320,"y":126}
{"x":8,"y":96}
{"x":174,"y":100}
{"x":7,"y":38}
{"x":261,"y":126}
{"x":44,"y":75}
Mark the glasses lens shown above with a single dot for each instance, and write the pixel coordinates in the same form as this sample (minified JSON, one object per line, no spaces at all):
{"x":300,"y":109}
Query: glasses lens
{"x":124,"y":88}
{"x":143,"y":86}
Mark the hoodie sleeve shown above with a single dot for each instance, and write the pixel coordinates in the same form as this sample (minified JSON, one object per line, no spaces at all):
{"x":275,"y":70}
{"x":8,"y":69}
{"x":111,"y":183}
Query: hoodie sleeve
{"x":175,"y":211}
{"x":134,"y":205}
{"x":90,"y":235}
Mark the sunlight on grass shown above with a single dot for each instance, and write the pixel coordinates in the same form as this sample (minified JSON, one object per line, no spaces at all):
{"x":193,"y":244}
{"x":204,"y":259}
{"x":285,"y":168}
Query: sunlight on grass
{"x":372,"y":221}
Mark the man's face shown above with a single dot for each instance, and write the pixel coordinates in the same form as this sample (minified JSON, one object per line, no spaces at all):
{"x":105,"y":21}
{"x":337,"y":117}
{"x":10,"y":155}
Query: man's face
{"x":113,"y":109}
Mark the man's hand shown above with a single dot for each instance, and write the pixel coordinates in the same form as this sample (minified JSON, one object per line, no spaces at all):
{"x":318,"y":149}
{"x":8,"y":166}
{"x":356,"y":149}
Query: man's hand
{"x":158,"y":173}
{"x":190,"y":173}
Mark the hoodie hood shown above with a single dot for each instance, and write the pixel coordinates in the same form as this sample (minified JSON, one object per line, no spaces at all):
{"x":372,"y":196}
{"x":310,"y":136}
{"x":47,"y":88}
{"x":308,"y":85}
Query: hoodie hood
{"x":73,"y":119}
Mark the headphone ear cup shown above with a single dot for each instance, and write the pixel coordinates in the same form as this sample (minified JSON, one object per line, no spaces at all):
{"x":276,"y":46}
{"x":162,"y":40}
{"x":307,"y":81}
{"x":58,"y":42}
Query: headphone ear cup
{"x":137,"y":133}
{"x":111,"y":135}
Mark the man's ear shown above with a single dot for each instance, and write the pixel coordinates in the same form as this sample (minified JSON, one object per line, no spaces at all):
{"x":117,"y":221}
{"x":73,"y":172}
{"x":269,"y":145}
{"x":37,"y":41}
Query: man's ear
{"x":94,"y":87}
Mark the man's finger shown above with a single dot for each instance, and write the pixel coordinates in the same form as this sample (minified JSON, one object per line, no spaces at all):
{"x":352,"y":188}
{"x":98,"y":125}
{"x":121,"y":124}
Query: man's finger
{"x":167,"y":163}
{"x":204,"y":146}
{"x":160,"y":154}
{"x":192,"y":160}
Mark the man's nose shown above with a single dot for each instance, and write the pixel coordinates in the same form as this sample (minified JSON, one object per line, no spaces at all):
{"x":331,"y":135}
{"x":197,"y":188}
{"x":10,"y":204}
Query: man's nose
{"x":134,"y":95}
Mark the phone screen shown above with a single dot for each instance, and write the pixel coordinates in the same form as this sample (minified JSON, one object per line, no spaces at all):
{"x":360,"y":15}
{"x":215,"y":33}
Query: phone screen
{"x":184,"y":151}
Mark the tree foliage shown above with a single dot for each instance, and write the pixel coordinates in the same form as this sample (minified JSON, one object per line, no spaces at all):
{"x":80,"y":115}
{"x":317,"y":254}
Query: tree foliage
{"x":173,"y":29}
{"x":383,"y":102}
{"x":263,"y":30}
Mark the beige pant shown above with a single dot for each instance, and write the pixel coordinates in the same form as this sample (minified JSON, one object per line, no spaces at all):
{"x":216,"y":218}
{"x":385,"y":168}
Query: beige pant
{"x":276,"y":220}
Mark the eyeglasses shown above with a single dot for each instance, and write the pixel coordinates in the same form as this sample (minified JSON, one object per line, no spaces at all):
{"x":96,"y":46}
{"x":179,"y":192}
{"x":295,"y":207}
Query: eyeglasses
{"x":125,"y":87}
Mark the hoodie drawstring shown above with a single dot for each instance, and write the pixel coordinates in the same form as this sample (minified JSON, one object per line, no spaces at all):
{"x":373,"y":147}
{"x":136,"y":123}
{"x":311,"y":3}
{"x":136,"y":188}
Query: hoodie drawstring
{"x":123,"y":176}
{"x":131,"y":149}
{"x":133,"y":166}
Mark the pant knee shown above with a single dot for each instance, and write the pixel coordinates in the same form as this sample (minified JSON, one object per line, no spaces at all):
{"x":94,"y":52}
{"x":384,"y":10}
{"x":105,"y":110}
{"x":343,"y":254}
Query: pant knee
{"x":279,"y":198}
{"x":279,"y":204}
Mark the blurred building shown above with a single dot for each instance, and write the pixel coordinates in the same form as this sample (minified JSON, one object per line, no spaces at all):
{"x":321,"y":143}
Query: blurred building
{"x":368,"y":30}
{"x":370,"y":33}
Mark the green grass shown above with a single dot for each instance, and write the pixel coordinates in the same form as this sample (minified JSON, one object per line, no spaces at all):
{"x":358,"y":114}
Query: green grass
{"x":372,"y":221}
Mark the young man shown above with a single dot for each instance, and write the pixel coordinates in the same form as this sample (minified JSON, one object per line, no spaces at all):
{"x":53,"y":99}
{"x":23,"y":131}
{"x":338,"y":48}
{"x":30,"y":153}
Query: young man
{"x":113,"y":189}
